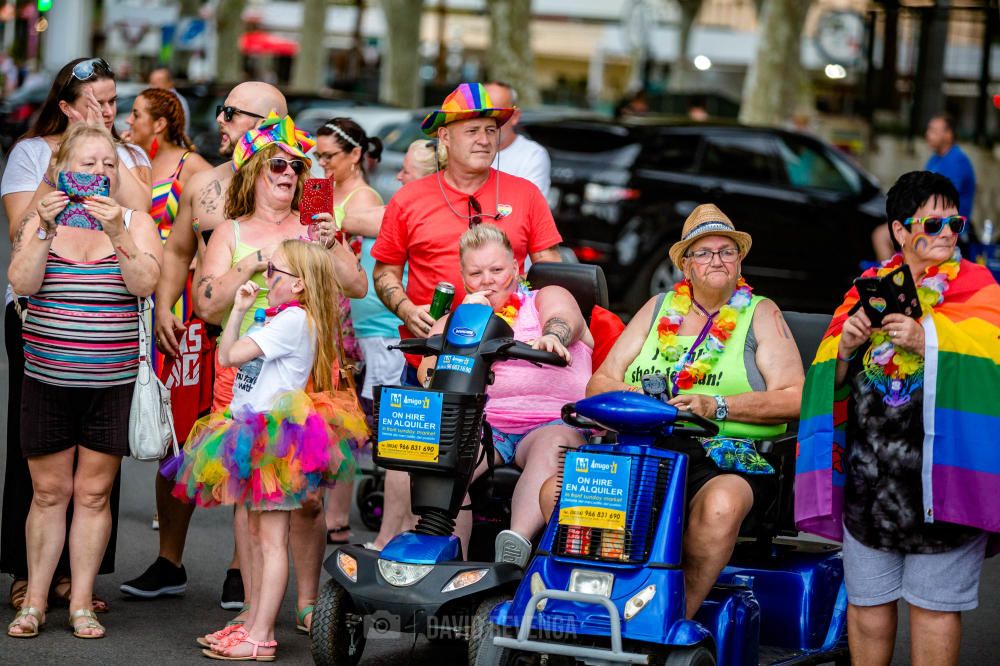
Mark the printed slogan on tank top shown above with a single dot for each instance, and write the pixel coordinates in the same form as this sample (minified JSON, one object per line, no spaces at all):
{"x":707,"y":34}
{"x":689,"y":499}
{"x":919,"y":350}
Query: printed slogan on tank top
{"x":713,"y":378}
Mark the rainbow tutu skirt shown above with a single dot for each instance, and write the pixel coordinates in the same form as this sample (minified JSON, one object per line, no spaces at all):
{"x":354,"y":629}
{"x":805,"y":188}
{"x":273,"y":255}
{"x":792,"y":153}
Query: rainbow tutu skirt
{"x":271,"y":460}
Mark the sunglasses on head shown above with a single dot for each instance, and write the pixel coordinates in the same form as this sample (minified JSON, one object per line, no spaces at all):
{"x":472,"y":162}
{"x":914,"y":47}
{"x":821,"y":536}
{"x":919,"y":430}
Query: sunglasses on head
{"x":228,"y":112}
{"x":279,"y":164}
{"x":272,"y":269}
{"x":88,"y":69}
{"x":934,"y":225}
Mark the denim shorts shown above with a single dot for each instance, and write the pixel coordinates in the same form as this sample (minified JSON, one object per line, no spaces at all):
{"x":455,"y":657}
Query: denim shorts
{"x":506,"y":443}
{"x":946,"y":581}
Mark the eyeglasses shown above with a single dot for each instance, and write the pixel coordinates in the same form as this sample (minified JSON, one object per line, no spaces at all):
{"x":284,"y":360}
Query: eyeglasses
{"x":726,"y":254}
{"x":228,"y":112}
{"x":475,"y":212}
{"x":431,"y":144}
{"x":935,"y":225}
{"x":323,"y":157}
{"x":88,"y":69}
{"x":272,"y":269}
{"x":279,"y":164}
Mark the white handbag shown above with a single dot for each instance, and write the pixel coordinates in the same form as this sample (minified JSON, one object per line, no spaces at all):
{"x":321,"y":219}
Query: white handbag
{"x":150,"y":421}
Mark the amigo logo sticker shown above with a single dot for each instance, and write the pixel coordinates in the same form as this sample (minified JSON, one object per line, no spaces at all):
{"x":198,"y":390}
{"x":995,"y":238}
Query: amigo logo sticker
{"x":463,"y":332}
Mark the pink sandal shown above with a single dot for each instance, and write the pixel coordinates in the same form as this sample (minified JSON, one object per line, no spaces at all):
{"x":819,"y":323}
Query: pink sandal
{"x":222,"y":635}
{"x":215,"y":653}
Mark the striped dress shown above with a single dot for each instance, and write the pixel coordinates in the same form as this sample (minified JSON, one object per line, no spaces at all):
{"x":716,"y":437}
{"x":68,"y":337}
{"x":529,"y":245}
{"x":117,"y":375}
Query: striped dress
{"x":82,"y":328}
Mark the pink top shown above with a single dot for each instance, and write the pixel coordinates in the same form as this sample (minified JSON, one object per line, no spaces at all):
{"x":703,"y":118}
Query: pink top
{"x":524,"y":396}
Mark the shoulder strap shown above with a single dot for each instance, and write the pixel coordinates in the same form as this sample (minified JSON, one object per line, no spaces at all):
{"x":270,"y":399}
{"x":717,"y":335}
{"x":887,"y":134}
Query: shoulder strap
{"x":236,"y":232}
{"x":127,"y":218}
{"x":180,"y":165}
{"x":360,"y":189}
{"x":656,"y":311}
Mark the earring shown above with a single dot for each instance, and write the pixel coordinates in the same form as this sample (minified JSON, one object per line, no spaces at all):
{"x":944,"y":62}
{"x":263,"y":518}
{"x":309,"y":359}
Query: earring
{"x":154,"y":148}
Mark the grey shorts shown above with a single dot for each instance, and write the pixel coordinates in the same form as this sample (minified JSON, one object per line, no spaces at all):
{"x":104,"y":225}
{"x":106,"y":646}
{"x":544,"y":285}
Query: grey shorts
{"x":947,"y":581}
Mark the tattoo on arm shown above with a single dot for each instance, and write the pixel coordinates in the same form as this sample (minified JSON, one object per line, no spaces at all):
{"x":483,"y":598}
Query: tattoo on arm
{"x":360,"y":267}
{"x":782,"y":325}
{"x":560,"y":328}
{"x":150,"y":255}
{"x":386,"y":291}
{"x":208,"y":292}
{"x":19,"y":236}
{"x":209,"y":199}
{"x":122,"y":252}
{"x":260,"y":256}
{"x":205,"y":280}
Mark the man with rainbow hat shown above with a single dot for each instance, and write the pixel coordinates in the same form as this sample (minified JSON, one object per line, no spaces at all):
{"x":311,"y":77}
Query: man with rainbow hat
{"x":424,"y":220}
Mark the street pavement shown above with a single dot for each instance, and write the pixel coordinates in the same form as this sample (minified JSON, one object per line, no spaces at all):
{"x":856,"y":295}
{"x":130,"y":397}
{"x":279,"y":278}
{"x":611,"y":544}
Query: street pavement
{"x":163,"y":631}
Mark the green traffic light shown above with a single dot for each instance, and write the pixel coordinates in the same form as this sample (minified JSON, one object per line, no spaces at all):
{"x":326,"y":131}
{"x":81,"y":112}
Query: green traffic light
{"x":44,"y":5}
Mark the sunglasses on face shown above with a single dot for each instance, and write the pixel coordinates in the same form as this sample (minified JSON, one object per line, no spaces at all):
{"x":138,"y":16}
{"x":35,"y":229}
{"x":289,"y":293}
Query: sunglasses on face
{"x":279,"y":164}
{"x":323,"y":157}
{"x":272,"y":269}
{"x":934,"y":225}
{"x":228,"y":112}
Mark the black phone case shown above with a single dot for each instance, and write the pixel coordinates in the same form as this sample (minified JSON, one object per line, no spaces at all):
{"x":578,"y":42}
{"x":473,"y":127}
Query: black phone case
{"x":892,"y":293}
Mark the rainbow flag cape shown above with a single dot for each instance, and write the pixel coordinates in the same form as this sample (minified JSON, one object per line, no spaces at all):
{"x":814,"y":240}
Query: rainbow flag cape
{"x":961,"y":449}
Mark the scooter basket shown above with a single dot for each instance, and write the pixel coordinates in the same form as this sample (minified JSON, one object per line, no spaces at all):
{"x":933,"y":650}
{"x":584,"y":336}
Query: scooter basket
{"x":649,"y":478}
{"x":460,"y":434}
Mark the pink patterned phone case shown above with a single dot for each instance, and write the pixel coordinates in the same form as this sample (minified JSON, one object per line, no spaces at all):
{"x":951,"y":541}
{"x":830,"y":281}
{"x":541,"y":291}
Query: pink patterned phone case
{"x":79,"y":186}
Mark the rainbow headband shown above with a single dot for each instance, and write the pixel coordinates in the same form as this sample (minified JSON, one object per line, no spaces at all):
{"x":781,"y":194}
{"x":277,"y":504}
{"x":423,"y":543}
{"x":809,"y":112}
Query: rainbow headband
{"x":274,"y":129}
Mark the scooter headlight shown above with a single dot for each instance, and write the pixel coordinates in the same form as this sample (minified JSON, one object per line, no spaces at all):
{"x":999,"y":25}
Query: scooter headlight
{"x":347,"y":565}
{"x":585,"y":581}
{"x":465,"y":579}
{"x":401,"y":574}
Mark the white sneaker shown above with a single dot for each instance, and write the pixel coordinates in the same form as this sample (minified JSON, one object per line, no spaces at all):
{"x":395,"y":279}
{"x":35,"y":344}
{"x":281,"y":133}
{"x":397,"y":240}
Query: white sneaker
{"x":370,"y":545}
{"x":156,"y":521}
{"x":512,"y":548}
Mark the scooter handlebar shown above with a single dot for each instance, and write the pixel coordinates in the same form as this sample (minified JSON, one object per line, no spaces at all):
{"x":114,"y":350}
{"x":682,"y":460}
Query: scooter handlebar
{"x":700,"y":426}
{"x":524,"y":352}
{"x":420,"y":346}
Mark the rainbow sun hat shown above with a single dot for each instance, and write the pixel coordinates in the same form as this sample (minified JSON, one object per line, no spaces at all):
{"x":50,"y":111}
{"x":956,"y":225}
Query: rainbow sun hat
{"x":274,"y":129}
{"x":468,"y":100}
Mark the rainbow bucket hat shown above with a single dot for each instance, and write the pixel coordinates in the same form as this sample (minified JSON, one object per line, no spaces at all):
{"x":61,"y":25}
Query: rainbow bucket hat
{"x":274,"y":129}
{"x":468,"y":100}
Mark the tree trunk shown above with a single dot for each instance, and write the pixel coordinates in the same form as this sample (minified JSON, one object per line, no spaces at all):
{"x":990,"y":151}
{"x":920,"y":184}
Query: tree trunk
{"x":776,"y":84}
{"x":310,"y":63}
{"x":682,"y":74}
{"x":229,"y":27}
{"x":510,"y":58}
{"x":400,"y":77}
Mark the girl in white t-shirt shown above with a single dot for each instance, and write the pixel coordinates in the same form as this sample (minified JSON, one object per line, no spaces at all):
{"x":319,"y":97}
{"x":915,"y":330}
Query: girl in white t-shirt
{"x":277,"y":442}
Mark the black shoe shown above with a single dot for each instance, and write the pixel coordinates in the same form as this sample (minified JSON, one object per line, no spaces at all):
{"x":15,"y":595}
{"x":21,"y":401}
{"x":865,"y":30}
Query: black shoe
{"x":160,"y":579}
{"x":232,"y":590}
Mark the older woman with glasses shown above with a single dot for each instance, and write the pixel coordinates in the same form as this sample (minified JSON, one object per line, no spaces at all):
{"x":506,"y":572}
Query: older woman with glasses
{"x":725,"y":354}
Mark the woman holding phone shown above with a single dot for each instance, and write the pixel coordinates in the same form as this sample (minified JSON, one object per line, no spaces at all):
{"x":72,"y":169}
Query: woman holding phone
{"x":81,"y":356}
{"x":342,"y":147}
{"x":83,"y":92}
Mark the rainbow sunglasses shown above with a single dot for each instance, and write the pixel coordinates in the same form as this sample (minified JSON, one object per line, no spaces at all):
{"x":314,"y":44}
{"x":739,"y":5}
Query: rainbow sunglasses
{"x":934,"y":225}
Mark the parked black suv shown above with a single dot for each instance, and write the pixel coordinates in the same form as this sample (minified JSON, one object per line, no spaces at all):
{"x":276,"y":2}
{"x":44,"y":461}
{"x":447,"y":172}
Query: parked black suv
{"x":621,"y":192}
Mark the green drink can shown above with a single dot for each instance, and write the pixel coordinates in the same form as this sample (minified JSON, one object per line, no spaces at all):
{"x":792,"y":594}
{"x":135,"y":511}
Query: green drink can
{"x":444,"y":294}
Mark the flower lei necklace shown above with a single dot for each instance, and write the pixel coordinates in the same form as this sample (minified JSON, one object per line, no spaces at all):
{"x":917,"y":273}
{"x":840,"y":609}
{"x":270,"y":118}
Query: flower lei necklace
{"x":716,"y":332}
{"x":896,"y":372}
{"x":514,"y":302}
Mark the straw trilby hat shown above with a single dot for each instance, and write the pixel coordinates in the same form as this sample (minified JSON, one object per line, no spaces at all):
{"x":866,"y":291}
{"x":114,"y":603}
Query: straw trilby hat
{"x":708,"y":220}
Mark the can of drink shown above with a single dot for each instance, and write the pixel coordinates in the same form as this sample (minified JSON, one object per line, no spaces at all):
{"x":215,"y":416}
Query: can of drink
{"x":444,"y":294}
{"x":613,"y":544}
{"x":577,"y":540}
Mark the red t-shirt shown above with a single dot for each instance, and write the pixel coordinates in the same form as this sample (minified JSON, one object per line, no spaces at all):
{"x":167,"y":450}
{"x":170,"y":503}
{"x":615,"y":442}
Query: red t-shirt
{"x":420,"y":229}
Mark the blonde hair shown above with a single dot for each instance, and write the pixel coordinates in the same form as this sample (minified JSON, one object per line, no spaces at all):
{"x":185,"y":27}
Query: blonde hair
{"x":428,"y":156}
{"x":482,"y":235}
{"x":74,"y":136}
{"x":241,"y":197}
{"x":319,"y":299}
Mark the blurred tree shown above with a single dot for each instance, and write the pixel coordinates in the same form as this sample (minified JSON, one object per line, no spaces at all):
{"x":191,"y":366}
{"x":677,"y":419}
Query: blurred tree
{"x":510,"y":58}
{"x":229,"y":27}
{"x":399,"y":82}
{"x":776,"y":84}
{"x":682,"y":75}
{"x":310,"y":63}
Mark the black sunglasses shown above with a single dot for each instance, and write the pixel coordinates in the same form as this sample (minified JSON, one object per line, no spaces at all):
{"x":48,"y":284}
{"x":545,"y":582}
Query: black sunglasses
{"x":935,"y":225}
{"x":229,"y":111}
{"x":88,"y":69}
{"x":272,"y":269}
{"x":475,"y":212}
{"x":279,"y":164}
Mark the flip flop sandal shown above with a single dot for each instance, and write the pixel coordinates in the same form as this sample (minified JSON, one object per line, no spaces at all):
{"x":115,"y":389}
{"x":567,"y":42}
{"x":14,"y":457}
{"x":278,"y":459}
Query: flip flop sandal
{"x":344,"y":532}
{"x":300,"y":624}
{"x":18,"y":592}
{"x":253,"y":656}
{"x":216,"y":637}
{"x":89,"y":623}
{"x":21,"y":614}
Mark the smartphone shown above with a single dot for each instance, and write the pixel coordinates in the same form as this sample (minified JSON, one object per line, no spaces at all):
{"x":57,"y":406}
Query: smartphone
{"x":891,"y":293}
{"x":317,"y":197}
{"x":80,"y":186}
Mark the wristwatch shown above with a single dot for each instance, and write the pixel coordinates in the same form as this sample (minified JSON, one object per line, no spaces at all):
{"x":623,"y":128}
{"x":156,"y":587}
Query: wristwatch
{"x":721,"y":408}
{"x":45,"y":234}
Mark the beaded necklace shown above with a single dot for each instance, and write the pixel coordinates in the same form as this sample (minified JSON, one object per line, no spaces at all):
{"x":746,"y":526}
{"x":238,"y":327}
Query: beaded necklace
{"x":687,"y":370}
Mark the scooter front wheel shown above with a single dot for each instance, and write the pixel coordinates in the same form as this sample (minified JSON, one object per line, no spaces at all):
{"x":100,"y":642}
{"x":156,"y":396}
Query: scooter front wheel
{"x":336,"y":640}
{"x":482,"y":652}
{"x":698,"y":656}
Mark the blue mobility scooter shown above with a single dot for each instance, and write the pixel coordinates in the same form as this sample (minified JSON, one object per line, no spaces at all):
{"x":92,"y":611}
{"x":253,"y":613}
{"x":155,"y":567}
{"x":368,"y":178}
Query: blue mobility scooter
{"x":606,"y":585}
{"x":419,"y":583}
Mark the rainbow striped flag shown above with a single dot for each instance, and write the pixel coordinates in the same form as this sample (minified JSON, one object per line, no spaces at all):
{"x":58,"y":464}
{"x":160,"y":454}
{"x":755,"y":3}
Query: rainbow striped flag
{"x":961,"y":410}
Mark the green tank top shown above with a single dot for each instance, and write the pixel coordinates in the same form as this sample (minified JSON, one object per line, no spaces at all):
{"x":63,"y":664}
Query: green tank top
{"x":727,"y":377}
{"x":243,"y":250}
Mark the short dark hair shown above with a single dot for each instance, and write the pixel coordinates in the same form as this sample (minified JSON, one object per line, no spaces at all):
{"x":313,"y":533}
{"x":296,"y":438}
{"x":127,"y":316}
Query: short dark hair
{"x":947,"y":119}
{"x":911,"y":191}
